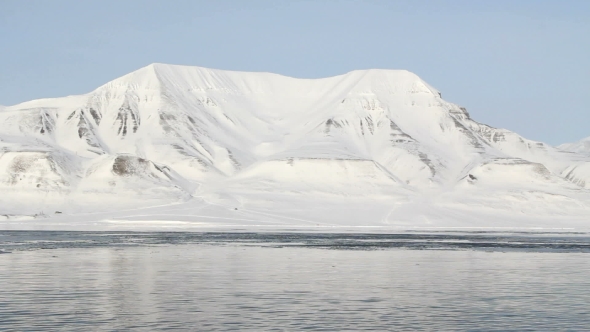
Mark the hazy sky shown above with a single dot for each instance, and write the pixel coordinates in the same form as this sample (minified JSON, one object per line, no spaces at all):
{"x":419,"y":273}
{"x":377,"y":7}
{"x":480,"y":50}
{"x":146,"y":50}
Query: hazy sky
{"x":521,"y":65}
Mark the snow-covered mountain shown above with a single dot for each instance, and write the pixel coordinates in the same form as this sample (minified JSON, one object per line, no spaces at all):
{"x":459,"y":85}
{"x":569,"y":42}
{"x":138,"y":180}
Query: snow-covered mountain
{"x":581,"y":146}
{"x":370,"y":147}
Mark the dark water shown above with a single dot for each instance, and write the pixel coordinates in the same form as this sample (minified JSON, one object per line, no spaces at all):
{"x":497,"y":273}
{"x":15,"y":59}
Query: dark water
{"x":324,"y":282}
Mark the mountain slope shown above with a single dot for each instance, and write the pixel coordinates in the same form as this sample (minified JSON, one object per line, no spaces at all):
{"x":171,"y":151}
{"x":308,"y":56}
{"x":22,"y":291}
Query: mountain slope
{"x":365,"y":141}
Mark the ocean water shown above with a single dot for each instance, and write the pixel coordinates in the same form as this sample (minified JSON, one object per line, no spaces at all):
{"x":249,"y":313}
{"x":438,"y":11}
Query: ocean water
{"x":290,"y":282}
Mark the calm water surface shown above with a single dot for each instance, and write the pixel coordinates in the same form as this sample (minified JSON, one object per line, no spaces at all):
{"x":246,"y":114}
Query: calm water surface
{"x":207,"y":282}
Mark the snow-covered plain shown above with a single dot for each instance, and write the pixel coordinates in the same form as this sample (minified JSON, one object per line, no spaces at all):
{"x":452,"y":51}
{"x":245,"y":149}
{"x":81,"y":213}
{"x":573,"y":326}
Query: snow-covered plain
{"x":177,"y":147}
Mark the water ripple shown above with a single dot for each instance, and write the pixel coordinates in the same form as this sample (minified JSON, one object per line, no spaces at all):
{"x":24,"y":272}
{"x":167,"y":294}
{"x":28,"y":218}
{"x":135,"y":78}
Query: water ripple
{"x":253,"y":282}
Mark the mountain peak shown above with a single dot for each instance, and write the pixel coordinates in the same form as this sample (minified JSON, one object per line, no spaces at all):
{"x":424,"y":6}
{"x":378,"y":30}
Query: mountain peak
{"x":145,"y":77}
{"x":157,"y":76}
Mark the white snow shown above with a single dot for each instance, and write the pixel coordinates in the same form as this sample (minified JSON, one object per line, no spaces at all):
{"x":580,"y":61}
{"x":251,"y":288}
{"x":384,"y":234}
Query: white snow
{"x":176,"y":147}
{"x":582,"y":146}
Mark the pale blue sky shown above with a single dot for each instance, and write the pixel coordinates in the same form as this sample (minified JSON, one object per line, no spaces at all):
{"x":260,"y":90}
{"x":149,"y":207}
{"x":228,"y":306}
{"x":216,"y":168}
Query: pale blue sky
{"x":522,"y":65}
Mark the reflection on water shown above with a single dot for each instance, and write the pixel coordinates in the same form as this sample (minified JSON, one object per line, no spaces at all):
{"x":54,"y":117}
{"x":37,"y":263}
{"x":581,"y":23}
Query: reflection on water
{"x":228,"y":285}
